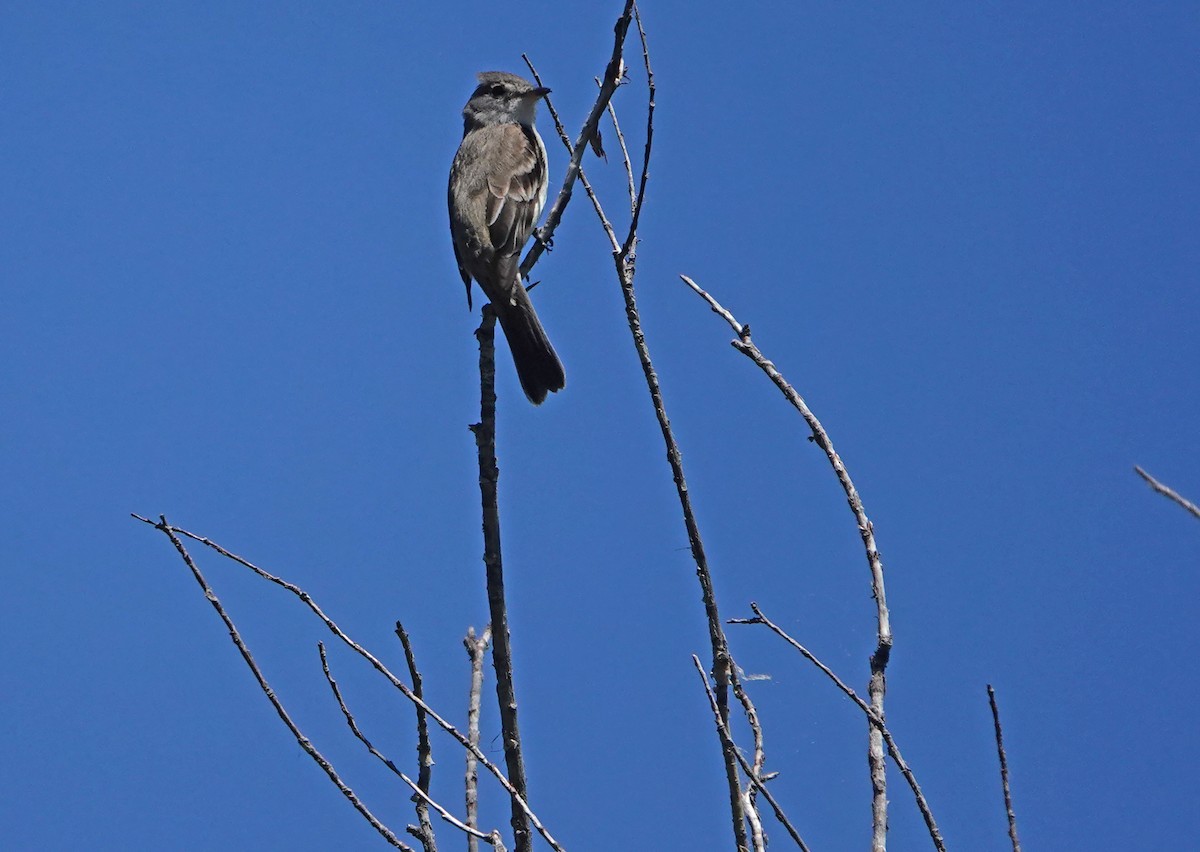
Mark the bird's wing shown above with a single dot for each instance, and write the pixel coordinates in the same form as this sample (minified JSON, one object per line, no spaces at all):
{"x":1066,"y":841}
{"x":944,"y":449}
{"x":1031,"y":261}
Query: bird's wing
{"x":516,"y":184}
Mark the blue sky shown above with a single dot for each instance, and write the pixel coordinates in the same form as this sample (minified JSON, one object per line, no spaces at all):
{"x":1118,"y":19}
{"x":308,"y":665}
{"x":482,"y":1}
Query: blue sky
{"x":966,"y":232}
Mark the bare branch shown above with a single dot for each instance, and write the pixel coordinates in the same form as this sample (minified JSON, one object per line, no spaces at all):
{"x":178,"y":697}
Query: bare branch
{"x":244,"y":650}
{"x":624,"y":259}
{"x":612,"y":78}
{"x":424,"y":750}
{"x":627,"y":249}
{"x":740,"y":330}
{"x":760,"y":755}
{"x":612,"y":114}
{"x":489,"y":478}
{"x":749,"y":798}
{"x":562,"y":134}
{"x":877,"y":686}
{"x":476,"y":649}
{"x":375,"y":663}
{"x":1168,"y":492}
{"x":873,"y":717}
{"x":757,"y":836}
{"x":727,"y":740}
{"x":426,"y":837}
{"x":1008,"y":804}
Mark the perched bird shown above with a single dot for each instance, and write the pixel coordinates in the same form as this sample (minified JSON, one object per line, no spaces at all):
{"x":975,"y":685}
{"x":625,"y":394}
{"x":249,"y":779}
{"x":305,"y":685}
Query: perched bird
{"x":497,"y":191}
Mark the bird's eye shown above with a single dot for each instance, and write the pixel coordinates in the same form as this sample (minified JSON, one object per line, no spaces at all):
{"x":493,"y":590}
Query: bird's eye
{"x":496,"y":90}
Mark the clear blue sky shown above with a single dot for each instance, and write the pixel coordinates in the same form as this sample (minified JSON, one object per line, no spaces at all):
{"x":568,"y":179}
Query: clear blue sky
{"x":968,"y":233}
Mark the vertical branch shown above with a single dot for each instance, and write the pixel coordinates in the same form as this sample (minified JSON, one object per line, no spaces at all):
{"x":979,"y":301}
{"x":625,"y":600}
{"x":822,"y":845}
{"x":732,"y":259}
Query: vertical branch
{"x":760,"y":755}
{"x":876,"y":764}
{"x":1008,"y":804}
{"x":476,"y":649}
{"x":631,"y":240}
{"x":757,"y":836}
{"x":424,"y":749}
{"x":750,"y":794}
{"x":625,"y":259}
{"x":489,"y":477}
{"x":425,"y":832}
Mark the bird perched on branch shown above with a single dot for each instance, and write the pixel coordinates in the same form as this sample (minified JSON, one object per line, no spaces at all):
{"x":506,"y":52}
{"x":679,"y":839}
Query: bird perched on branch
{"x":497,"y":191}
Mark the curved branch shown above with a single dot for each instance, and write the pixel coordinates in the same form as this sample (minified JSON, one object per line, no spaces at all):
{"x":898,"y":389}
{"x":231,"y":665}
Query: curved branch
{"x":374,"y":661}
{"x":244,"y":650}
{"x":877,"y":686}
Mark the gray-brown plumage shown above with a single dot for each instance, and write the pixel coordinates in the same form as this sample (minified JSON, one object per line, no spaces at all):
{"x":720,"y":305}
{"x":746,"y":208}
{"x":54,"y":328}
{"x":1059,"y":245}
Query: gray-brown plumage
{"x":497,"y":191}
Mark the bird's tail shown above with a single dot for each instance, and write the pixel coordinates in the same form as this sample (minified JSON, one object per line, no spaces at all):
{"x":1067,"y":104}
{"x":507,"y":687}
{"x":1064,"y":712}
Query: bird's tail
{"x":537,"y":364}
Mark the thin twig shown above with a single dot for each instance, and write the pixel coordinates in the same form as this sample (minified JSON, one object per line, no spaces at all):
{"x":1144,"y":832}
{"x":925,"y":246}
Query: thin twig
{"x":627,"y":249}
{"x":757,"y":836}
{"x":1008,"y":803}
{"x":877,"y":686}
{"x":875,"y":719}
{"x":566,"y":140}
{"x":425,"y":834}
{"x":727,"y":740}
{"x":476,"y":650}
{"x":760,"y":754}
{"x":612,"y":78}
{"x":489,"y":478}
{"x":624,"y":258}
{"x":612,"y":114}
{"x":1168,"y":492}
{"x":749,"y":798}
{"x":375,"y":663}
{"x":423,"y":795}
{"x":424,"y":749}
{"x":244,"y":650}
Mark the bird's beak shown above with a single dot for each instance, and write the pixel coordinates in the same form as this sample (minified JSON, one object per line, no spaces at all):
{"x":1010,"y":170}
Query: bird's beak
{"x":539,"y":92}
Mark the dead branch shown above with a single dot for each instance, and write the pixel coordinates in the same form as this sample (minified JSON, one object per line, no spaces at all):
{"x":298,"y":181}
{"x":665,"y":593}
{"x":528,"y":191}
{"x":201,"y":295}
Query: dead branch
{"x":876,"y":720}
{"x":1169,"y":493}
{"x":877,"y":686}
{"x":476,"y":650}
{"x":424,"y":749}
{"x":1008,"y":803}
{"x":236,"y":636}
{"x":727,"y":740}
{"x":612,"y":78}
{"x":489,"y":478}
{"x":401,"y":686}
{"x":624,"y":258}
{"x":425,"y":836}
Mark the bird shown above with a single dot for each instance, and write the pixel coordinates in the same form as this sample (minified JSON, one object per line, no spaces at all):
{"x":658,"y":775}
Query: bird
{"x":496,"y":193}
